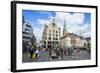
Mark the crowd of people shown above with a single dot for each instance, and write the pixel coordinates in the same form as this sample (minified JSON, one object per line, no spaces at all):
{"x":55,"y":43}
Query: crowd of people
{"x":33,"y":52}
{"x":59,"y":53}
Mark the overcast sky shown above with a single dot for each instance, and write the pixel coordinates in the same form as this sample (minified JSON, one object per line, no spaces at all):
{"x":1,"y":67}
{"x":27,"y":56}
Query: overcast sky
{"x":76,"y":22}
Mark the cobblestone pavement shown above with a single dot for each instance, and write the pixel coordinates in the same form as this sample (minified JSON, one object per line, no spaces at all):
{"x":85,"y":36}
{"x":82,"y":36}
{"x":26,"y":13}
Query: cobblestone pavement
{"x":44,"y":56}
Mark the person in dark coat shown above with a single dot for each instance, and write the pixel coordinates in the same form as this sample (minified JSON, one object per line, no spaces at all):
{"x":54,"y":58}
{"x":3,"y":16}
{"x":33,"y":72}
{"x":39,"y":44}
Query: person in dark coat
{"x":58,"y":53}
{"x":61,"y":51}
{"x":31,"y":53}
{"x":68,"y":51}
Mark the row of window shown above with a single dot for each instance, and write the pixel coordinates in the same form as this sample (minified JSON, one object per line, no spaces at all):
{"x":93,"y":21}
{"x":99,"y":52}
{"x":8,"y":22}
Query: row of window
{"x":28,"y":26}
{"x":26,"y":37}
{"x":54,"y":31}
{"x":50,"y":38}
{"x":26,"y":29}
{"x":53,"y":34}
{"x":26,"y":33}
{"x":51,"y":42}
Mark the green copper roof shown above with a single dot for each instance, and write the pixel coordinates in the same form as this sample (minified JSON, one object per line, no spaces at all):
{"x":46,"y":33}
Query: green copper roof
{"x":64,"y":28}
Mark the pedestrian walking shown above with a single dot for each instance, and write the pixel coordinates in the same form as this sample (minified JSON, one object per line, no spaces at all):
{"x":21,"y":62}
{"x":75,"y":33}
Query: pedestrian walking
{"x":61,"y":53}
{"x":37,"y":54}
{"x":49,"y":50}
{"x":31,"y":53}
{"x":65,"y":52}
{"x":58,"y":53}
{"x":69,"y":51}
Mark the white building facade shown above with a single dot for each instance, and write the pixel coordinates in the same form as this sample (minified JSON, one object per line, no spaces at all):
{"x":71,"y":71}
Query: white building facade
{"x":69,"y":40}
{"x":51,"y":35}
{"x":72,"y":40}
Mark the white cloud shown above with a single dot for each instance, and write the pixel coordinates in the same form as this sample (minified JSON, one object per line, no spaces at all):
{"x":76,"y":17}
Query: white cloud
{"x":38,"y":31}
{"x":75,"y":18}
{"x":74,"y":22}
{"x":38,"y":34}
{"x":43,"y":21}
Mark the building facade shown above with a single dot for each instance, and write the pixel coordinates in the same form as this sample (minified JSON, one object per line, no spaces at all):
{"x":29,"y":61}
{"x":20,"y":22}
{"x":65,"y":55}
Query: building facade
{"x":27,"y":32}
{"x":51,"y":35}
{"x":69,"y":40}
{"x":28,"y":37}
{"x":72,"y":40}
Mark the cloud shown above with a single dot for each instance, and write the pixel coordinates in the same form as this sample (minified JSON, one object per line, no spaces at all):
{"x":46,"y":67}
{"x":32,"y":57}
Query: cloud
{"x":75,"y":18}
{"x":43,"y":21}
{"x":38,"y":34}
{"x":47,"y":13}
{"x":74,"y":22}
{"x":39,"y":30}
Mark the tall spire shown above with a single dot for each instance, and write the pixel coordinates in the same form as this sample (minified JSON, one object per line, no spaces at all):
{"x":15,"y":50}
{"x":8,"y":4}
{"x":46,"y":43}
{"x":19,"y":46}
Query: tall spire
{"x":53,"y":22}
{"x":64,"y":27}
